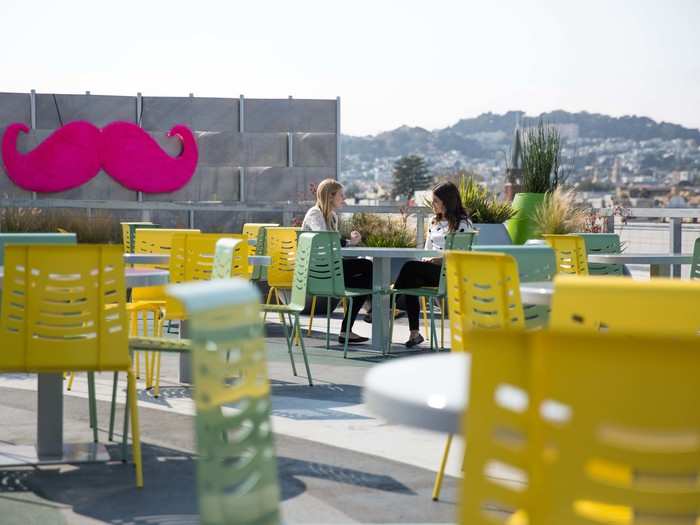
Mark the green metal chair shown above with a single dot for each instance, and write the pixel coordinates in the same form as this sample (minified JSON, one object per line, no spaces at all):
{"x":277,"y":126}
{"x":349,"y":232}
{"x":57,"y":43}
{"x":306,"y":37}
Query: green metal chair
{"x":236,"y":469}
{"x":602,"y":243}
{"x":695,"y":267}
{"x":296,"y":302}
{"x":221,"y":269}
{"x":453,"y":241}
{"x":129,"y":233}
{"x":535,"y":263}
{"x":259,"y":273}
{"x":326,"y":278}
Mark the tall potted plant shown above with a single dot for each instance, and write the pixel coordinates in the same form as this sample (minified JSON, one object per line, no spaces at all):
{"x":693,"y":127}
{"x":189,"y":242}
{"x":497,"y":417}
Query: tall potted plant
{"x":541,"y":163}
{"x":486,"y":212}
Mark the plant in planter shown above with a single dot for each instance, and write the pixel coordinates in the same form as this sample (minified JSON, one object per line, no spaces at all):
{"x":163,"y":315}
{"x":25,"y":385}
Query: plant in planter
{"x":486,"y":212}
{"x":558,"y":214}
{"x":541,"y":164}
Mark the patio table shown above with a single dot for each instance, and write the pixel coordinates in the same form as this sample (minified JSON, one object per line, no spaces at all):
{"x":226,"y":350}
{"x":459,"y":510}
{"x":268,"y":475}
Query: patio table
{"x":381,"y":260}
{"x":429,"y":392}
{"x":50,"y":446}
{"x":537,"y":292}
{"x":659,"y":263}
{"x":164,"y":258}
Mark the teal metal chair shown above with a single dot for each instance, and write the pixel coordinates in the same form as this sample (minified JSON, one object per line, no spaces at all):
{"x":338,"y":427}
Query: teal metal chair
{"x":297,"y":302}
{"x":326,"y":278}
{"x":129,"y":233}
{"x":237,"y":468}
{"x":259,"y":271}
{"x":602,"y":243}
{"x":535,"y":263}
{"x":453,"y":241}
{"x":695,"y":266}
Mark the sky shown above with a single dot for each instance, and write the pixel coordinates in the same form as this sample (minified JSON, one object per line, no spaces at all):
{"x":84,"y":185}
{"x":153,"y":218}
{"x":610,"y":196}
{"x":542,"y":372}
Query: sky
{"x":418,"y":63}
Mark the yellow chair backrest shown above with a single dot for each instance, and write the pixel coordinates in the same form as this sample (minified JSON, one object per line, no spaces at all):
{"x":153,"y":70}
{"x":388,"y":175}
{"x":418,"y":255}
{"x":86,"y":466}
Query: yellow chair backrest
{"x":282,"y":248}
{"x":573,"y":428}
{"x":63,"y":308}
{"x":250,"y":232}
{"x":483,"y":291}
{"x":620,"y":304}
{"x":158,"y":241}
{"x":570,"y":252}
{"x":192,"y":259}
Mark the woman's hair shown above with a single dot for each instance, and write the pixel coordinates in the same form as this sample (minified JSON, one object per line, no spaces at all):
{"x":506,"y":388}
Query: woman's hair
{"x":325,"y":193}
{"x":454,"y":213}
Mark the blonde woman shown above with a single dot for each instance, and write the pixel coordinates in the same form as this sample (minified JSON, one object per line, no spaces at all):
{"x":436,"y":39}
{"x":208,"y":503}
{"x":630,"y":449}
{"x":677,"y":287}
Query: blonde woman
{"x":358,"y":272}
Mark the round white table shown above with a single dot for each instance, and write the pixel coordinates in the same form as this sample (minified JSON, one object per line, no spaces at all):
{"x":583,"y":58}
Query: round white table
{"x":659,"y":263}
{"x":381,"y":281}
{"x":428,"y":391}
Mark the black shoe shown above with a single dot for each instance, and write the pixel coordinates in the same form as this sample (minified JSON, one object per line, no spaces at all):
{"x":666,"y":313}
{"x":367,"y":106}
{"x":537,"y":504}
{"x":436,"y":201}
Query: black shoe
{"x":353,"y":340}
{"x":413,"y":341}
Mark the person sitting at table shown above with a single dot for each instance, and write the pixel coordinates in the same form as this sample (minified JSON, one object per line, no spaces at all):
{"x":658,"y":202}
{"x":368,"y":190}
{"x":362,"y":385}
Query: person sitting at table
{"x":450,"y":216}
{"x":358,"y":272}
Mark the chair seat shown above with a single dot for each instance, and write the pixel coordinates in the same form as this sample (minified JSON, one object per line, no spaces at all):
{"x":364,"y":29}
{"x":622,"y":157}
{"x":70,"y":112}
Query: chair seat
{"x":284,"y":308}
{"x":143,"y":305}
{"x":159,"y":344}
{"x":426,"y":291}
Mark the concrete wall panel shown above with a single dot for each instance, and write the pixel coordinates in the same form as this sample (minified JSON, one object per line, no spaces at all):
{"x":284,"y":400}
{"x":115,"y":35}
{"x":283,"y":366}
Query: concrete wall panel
{"x":98,"y":109}
{"x":14,"y":107}
{"x":162,"y":113}
{"x":314,"y":150}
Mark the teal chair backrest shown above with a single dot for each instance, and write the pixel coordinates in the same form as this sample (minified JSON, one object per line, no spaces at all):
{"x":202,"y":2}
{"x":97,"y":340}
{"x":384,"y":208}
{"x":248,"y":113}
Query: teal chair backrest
{"x":223,"y":258}
{"x":237,"y":467}
{"x":695,"y":267}
{"x":301,"y":271}
{"x":34,"y":238}
{"x":326,"y":277}
{"x":260,"y":249}
{"x":602,"y":243}
{"x":458,"y":242}
{"x":535,"y":263}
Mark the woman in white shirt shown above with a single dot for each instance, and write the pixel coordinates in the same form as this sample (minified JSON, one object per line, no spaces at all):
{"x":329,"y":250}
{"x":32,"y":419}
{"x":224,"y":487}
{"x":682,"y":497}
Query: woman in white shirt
{"x":357,"y":272}
{"x":450,"y":216}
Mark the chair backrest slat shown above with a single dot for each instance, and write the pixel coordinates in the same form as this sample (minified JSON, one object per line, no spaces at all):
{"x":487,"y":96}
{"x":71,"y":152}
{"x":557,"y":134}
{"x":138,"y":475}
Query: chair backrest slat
{"x":281,"y":246}
{"x":601,"y":243}
{"x":570,"y":251}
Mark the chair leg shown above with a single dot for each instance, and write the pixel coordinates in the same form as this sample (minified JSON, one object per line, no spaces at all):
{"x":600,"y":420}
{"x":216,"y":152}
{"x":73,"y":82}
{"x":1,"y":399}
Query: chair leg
{"x":267,"y":301}
{"x":392,"y":309}
{"x":328,"y":323}
{"x":347,"y":331}
{"x":92,"y":403}
{"x":297,"y":324}
{"x":288,"y":336}
{"x":125,"y":428}
{"x":71,"y":377}
{"x":441,"y":471}
{"x":311,"y":314}
{"x":425,"y":314}
{"x":156,"y":387}
{"x":113,"y":407}
{"x":433,"y":331}
{"x":279,"y":300}
{"x":135,"y":431}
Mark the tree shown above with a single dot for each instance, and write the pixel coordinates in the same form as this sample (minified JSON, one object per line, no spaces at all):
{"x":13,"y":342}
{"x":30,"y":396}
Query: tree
{"x":410,"y":174}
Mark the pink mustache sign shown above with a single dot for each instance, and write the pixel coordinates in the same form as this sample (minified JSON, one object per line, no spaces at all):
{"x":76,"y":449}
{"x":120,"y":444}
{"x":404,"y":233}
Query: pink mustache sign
{"x":74,"y":154}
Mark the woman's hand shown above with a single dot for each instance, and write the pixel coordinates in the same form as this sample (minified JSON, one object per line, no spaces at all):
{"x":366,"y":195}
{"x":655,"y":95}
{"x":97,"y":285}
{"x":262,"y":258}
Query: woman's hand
{"x":355,"y":238}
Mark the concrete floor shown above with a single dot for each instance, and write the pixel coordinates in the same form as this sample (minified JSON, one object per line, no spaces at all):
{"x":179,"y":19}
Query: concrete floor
{"x":337,"y":463}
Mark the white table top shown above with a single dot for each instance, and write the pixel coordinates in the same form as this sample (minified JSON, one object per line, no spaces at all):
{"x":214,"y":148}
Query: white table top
{"x":641,"y":258}
{"x":135,"y":277}
{"x":164,"y":258}
{"x":392,"y":253}
{"x":427,"y":391}
{"x":539,"y":292}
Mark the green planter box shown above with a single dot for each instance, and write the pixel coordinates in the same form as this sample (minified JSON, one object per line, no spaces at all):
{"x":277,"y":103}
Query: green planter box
{"x":522,"y":227}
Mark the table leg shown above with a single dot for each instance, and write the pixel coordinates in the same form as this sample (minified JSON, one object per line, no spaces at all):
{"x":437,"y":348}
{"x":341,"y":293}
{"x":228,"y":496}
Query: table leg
{"x":185,"y":358}
{"x":50,"y":416}
{"x":660,"y":270}
{"x":381,"y":273}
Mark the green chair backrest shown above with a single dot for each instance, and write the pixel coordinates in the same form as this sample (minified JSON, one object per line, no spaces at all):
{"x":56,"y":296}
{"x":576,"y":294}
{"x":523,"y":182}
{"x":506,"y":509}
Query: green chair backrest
{"x":223,"y":258}
{"x":325,"y":275}
{"x":237,"y":468}
{"x":535,"y":263}
{"x":602,"y":243}
{"x":458,"y":242}
{"x":695,"y":267}
{"x":34,"y":238}
{"x":129,"y":235}
{"x":259,"y":273}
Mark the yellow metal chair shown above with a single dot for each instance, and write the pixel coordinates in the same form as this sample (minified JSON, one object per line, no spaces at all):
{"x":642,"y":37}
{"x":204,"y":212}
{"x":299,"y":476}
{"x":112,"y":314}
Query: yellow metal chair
{"x":582,"y":428}
{"x":619,"y":304}
{"x":483,"y":291}
{"x":63,"y":308}
{"x":282,"y":249}
{"x":237,"y":468}
{"x":570,"y":251}
{"x":251,"y":232}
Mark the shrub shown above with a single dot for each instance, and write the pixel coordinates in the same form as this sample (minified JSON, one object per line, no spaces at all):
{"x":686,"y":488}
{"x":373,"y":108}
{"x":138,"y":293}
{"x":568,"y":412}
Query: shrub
{"x":557,"y":214}
{"x":380,"y":232}
{"x":98,"y":228}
